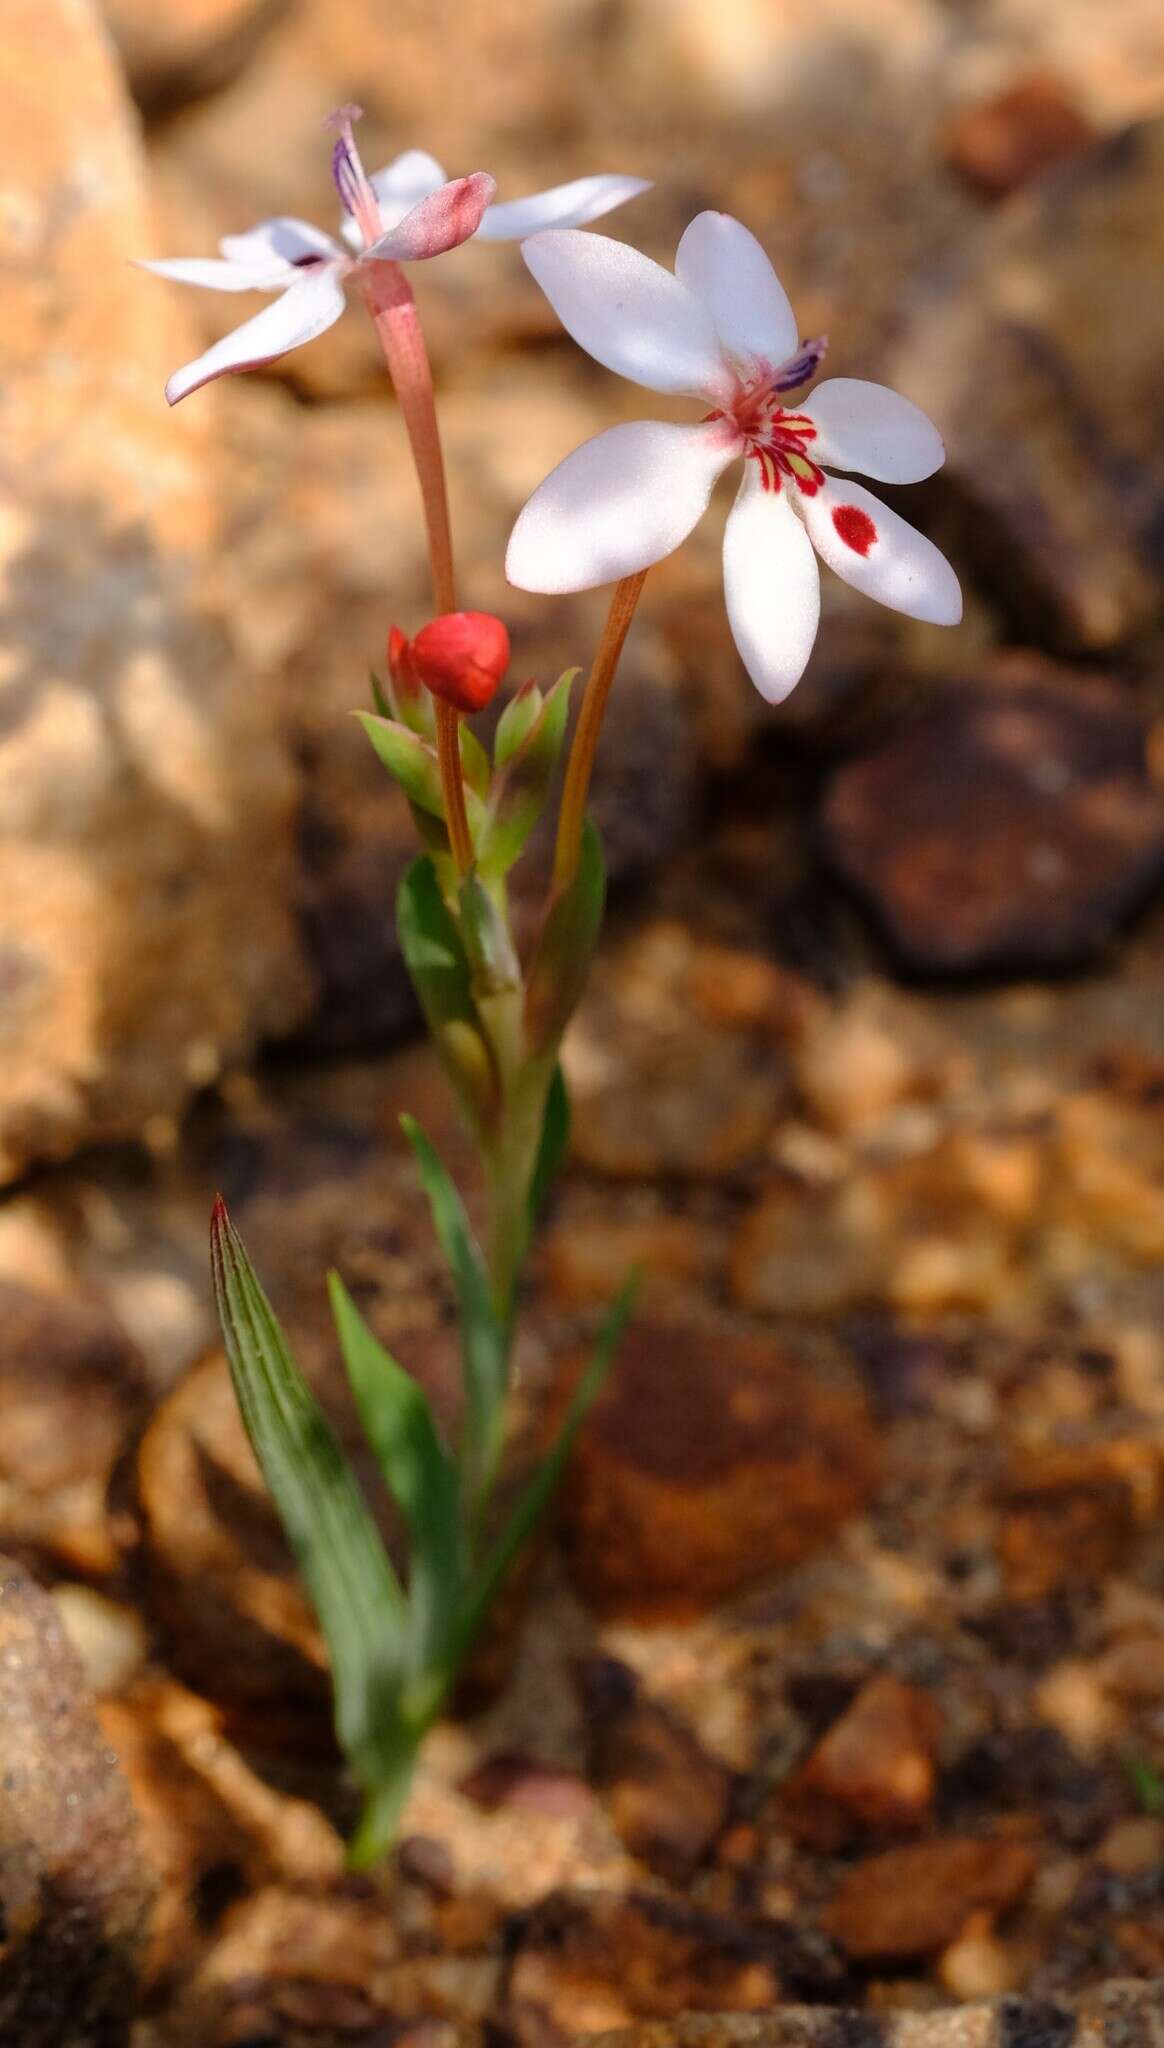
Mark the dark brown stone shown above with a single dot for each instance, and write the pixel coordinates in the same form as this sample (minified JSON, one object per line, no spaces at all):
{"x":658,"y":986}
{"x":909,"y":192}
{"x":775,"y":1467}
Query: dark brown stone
{"x":912,"y":1900}
{"x":1039,"y":354}
{"x":668,"y":1798}
{"x":1009,"y":828}
{"x":585,"y":1961}
{"x":710,"y":1461}
{"x":75,"y":1895}
{"x":1004,"y":142}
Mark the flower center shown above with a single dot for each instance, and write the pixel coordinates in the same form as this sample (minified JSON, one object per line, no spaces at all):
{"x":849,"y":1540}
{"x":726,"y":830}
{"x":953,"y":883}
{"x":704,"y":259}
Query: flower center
{"x":776,"y":440}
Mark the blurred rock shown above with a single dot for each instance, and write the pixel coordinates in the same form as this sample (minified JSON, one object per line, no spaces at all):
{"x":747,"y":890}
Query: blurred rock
{"x":71,"y":1391}
{"x":175,"y":53}
{"x":667,"y":1796}
{"x":108,"y":1637}
{"x":1002,"y":143}
{"x":586,"y":1961}
{"x":913,"y":1900}
{"x":1039,"y":357}
{"x":874,"y":1767}
{"x":1071,"y":1514}
{"x":1009,"y":828}
{"x":710,"y":1461}
{"x":75,"y":1896}
{"x":138,"y":782}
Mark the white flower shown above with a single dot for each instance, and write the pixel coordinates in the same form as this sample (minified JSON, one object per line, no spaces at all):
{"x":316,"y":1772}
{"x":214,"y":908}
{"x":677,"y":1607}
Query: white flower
{"x":722,"y":329}
{"x":421,"y":215}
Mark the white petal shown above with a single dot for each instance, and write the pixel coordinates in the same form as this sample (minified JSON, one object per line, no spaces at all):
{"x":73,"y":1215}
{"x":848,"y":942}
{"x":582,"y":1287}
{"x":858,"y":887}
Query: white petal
{"x":725,"y":266}
{"x":628,"y":312}
{"x":617,"y":504}
{"x":222,"y":277}
{"x":306,"y":309}
{"x":404,"y":182}
{"x":562,"y":206}
{"x":873,"y":429}
{"x":882,"y":556}
{"x":443,"y":221}
{"x":283,"y":242}
{"x":772,"y":586}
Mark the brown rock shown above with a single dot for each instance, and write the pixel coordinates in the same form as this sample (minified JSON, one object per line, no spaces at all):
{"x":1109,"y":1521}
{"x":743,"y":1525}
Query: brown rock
{"x":137,"y":780}
{"x":1039,"y":355}
{"x":1004,"y":142}
{"x":1010,"y":828}
{"x":71,"y":1390}
{"x":75,"y":1895}
{"x":913,"y":1900}
{"x":1072,"y":1515}
{"x":874,"y":1767}
{"x":187,"y":48}
{"x":668,"y":1798}
{"x":710,"y":1461}
{"x":585,"y":1961}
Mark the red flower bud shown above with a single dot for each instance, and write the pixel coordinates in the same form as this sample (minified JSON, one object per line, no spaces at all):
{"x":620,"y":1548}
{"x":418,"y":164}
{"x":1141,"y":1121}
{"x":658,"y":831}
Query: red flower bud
{"x":462,"y":657}
{"x":405,"y":681}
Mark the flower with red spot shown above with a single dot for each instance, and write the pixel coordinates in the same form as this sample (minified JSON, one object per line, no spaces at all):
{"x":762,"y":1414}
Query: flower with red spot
{"x":721,"y":329}
{"x":461,"y":657}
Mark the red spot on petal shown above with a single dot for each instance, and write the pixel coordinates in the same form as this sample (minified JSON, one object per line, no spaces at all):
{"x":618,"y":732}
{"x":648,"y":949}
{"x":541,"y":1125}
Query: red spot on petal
{"x":855,"y":528}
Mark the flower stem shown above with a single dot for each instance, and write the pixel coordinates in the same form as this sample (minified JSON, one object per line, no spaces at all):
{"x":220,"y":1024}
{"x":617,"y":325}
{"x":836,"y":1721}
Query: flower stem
{"x":448,"y":739}
{"x":575,"y":790}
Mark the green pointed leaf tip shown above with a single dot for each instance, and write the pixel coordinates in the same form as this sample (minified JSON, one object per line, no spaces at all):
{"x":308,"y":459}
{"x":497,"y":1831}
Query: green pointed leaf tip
{"x":354,"y":1590}
{"x":410,"y":760}
{"x":561,"y":963}
{"x":555,"y":1140}
{"x":419,"y":1472}
{"x":484,"y":1342}
{"x":519,"y":715}
{"x":520,"y":791}
{"x":383,"y":697}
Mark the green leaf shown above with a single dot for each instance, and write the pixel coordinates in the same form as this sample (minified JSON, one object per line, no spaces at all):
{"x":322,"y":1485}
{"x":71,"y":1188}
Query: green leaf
{"x":488,"y":945}
{"x":520,"y":791}
{"x":484,"y":1341}
{"x":353,"y":1587}
{"x":419,"y":1472}
{"x":435,"y":956}
{"x":540,"y":1491}
{"x":409,"y":759}
{"x":555,"y":1140}
{"x":560,"y":965}
{"x":520,"y":714}
{"x":381,"y":697}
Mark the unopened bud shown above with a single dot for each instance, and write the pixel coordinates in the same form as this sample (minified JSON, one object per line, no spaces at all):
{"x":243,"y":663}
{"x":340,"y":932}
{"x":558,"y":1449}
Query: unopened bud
{"x":462,"y":657}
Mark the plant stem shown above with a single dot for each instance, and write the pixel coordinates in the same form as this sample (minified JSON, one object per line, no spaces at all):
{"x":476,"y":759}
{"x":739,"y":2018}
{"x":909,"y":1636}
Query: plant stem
{"x":581,"y":763}
{"x":448,"y":739}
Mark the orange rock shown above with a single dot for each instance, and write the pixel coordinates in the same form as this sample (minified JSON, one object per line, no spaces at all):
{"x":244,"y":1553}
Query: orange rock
{"x":710,"y":1461}
{"x":874,"y":1766}
{"x":1005,"y":142}
{"x":914,"y":1900}
{"x":1073,"y":1513}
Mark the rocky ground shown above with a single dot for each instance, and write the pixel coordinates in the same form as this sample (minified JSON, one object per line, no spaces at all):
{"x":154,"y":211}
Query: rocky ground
{"x":838,"y":1681}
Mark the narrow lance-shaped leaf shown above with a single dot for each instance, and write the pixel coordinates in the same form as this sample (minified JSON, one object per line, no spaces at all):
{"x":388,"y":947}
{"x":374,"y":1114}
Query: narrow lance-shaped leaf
{"x":488,"y":945}
{"x":555,"y":1140}
{"x":484,"y":1343}
{"x":560,"y":965}
{"x":520,"y":790}
{"x":542,"y":1486}
{"x":353,"y":1587}
{"x":420,"y":1475}
{"x":519,"y":716}
{"x":410,"y":760}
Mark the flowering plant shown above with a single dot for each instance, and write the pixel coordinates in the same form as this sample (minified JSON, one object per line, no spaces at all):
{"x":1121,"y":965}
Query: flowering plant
{"x":722,"y":329}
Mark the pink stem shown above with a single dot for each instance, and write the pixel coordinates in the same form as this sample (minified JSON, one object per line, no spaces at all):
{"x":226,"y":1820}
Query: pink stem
{"x":388,"y":297}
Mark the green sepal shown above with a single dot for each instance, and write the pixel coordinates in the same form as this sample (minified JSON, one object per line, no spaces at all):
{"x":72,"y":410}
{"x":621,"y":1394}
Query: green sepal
{"x":519,"y":716}
{"x":540,"y":1491}
{"x":484,"y":1340}
{"x":558,"y":970}
{"x":419,"y":1472}
{"x":383,"y":697}
{"x":354,"y":1590}
{"x":438,"y":965}
{"x":520,"y":790}
{"x":476,"y":764}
